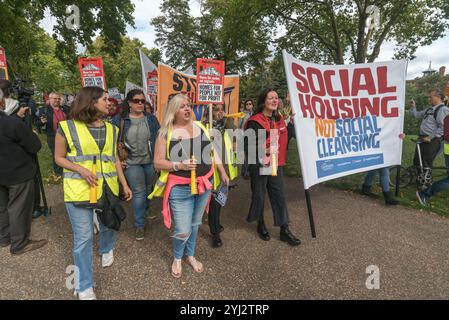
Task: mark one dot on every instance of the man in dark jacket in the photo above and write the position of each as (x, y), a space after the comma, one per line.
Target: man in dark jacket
(49, 117)
(19, 146)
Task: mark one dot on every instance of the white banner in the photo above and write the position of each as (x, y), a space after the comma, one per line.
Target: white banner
(149, 75)
(348, 118)
(131, 86)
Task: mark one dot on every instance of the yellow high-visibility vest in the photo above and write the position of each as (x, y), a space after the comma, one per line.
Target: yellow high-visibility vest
(230, 157)
(83, 149)
(161, 182)
(446, 148)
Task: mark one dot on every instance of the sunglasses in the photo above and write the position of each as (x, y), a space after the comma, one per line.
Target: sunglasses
(138, 101)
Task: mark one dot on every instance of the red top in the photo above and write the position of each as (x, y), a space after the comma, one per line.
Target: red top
(282, 137)
(58, 115)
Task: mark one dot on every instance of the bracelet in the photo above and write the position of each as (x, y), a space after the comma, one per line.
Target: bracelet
(175, 166)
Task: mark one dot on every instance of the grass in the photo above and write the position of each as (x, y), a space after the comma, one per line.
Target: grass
(46, 163)
(407, 197)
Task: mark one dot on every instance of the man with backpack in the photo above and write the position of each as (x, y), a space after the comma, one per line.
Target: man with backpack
(424, 196)
(432, 128)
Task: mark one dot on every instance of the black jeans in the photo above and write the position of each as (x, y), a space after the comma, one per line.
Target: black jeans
(429, 151)
(214, 217)
(275, 188)
(51, 146)
(16, 208)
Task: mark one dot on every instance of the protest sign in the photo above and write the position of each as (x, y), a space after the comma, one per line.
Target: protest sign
(114, 93)
(149, 75)
(348, 118)
(172, 82)
(3, 65)
(92, 73)
(210, 80)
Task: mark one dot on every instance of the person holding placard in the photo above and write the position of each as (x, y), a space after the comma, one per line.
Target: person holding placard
(224, 149)
(180, 141)
(266, 172)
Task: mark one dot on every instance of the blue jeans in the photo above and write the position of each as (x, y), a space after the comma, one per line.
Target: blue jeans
(384, 174)
(82, 227)
(140, 178)
(187, 212)
(441, 184)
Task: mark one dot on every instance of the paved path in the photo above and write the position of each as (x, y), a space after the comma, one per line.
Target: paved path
(411, 249)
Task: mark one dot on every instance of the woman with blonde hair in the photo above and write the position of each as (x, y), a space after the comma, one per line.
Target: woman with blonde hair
(183, 147)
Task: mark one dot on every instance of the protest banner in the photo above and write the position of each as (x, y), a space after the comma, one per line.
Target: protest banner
(348, 118)
(210, 80)
(149, 75)
(3, 65)
(172, 82)
(114, 93)
(92, 72)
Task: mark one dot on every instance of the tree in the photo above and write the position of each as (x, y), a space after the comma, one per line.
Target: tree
(222, 32)
(332, 30)
(19, 25)
(124, 65)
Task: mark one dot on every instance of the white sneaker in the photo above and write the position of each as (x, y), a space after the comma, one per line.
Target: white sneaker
(107, 259)
(87, 294)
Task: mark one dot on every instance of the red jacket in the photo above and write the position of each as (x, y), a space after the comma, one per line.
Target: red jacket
(266, 123)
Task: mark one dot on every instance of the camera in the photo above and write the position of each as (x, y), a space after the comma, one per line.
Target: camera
(23, 94)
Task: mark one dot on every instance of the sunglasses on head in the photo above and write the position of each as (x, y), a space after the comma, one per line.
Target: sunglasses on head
(138, 101)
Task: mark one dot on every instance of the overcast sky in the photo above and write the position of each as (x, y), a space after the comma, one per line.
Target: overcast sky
(145, 10)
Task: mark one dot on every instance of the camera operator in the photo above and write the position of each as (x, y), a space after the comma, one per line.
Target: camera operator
(49, 117)
(17, 172)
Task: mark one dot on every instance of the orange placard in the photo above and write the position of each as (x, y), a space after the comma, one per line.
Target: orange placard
(172, 82)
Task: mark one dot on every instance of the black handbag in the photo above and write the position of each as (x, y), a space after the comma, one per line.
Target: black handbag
(109, 211)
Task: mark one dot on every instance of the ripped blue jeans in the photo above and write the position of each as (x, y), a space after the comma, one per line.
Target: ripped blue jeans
(187, 213)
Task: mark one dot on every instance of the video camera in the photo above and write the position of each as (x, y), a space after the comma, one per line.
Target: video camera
(23, 94)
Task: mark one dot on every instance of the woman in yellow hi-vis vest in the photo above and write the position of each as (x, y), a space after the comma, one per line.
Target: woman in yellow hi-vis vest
(183, 156)
(80, 142)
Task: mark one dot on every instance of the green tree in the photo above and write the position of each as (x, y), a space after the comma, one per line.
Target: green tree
(19, 25)
(222, 32)
(332, 30)
(125, 64)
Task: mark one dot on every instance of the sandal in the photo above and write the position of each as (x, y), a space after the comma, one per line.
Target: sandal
(176, 268)
(196, 265)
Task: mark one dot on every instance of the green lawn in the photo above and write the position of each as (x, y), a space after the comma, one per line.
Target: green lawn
(439, 203)
(45, 162)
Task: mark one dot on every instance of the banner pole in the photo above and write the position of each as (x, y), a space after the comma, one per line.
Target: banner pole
(398, 172)
(309, 209)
